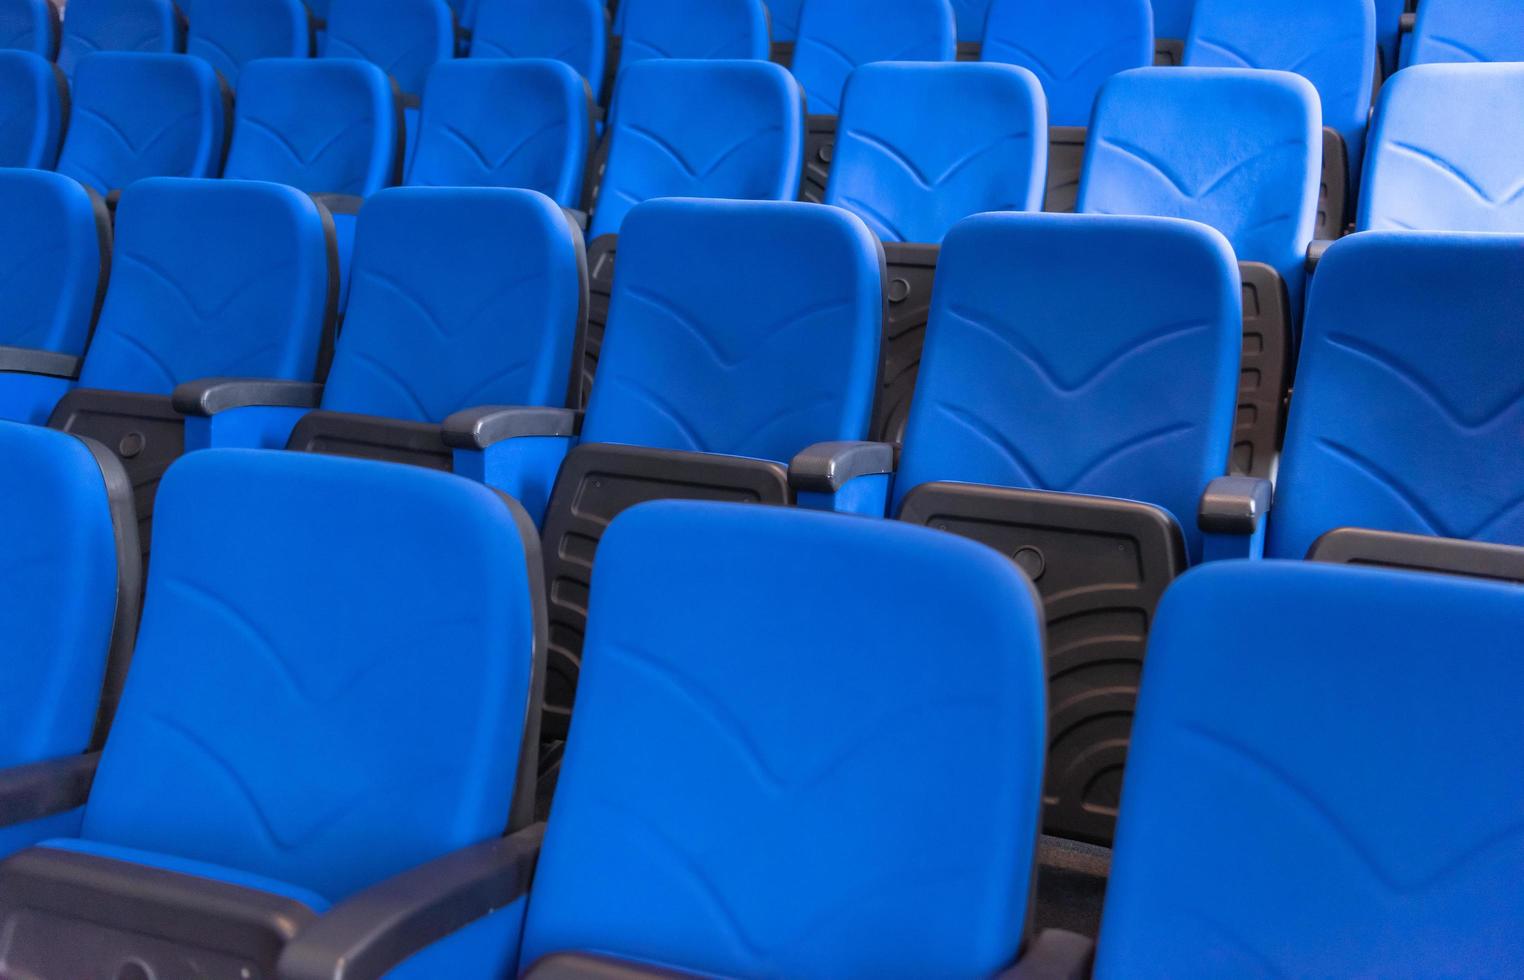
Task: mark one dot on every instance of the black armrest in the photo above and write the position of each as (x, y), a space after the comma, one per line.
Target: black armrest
(340, 203)
(1315, 250)
(1053, 955)
(481, 428)
(380, 927)
(113, 198)
(1420, 553)
(43, 789)
(826, 467)
(210, 396)
(1234, 505)
(1407, 23)
(28, 360)
(576, 217)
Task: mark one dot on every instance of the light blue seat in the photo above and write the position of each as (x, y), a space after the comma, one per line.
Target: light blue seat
(1451, 31)
(971, 16)
(722, 774)
(464, 298)
(54, 255)
(1172, 24)
(144, 115)
(30, 25)
(836, 36)
(1399, 424)
(231, 33)
(504, 123)
(1351, 738)
(737, 133)
(573, 31)
(718, 29)
(70, 606)
(1057, 408)
(783, 17)
(327, 126)
(345, 661)
(1072, 49)
(921, 146)
(742, 335)
(1389, 31)
(405, 43)
(1445, 151)
(36, 98)
(119, 25)
(1331, 43)
(209, 279)
(1237, 149)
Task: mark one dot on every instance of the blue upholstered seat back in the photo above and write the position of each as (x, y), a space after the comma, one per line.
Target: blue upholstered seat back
(836, 36)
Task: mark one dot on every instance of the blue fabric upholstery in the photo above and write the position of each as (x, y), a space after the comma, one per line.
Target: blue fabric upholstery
(461, 297)
(1172, 18)
(59, 565)
(1238, 149)
(971, 16)
(504, 123)
(1466, 30)
(1040, 375)
(321, 126)
(694, 29)
(1447, 151)
(29, 25)
(34, 117)
(1389, 30)
(573, 31)
(1331, 43)
(715, 129)
(143, 115)
(1072, 48)
(1323, 779)
(922, 145)
(405, 43)
(744, 328)
(211, 278)
(783, 18)
(50, 261)
(118, 25)
(231, 33)
(835, 36)
(380, 619)
(705, 821)
(1406, 417)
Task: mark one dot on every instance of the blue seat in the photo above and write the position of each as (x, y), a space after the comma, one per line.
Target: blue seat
(971, 16)
(1041, 425)
(1073, 49)
(30, 25)
(231, 33)
(411, 38)
(327, 126)
(921, 146)
(721, 29)
(36, 97)
(1237, 149)
(1398, 425)
(210, 279)
(345, 661)
(1331, 43)
(144, 115)
(722, 776)
(505, 123)
(741, 335)
(1172, 24)
(737, 133)
(836, 36)
(783, 18)
(1445, 151)
(153, 26)
(437, 327)
(1278, 725)
(1389, 32)
(70, 608)
(1451, 31)
(573, 31)
(55, 251)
